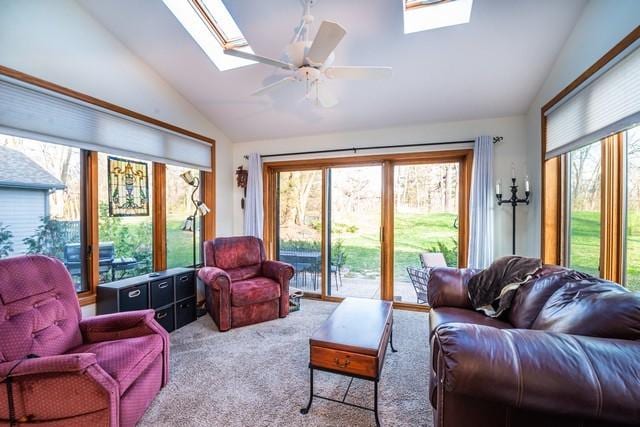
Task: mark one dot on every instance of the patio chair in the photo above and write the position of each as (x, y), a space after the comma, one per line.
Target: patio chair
(420, 276)
(335, 269)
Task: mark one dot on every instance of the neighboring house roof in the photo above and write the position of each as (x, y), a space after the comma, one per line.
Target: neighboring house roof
(19, 171)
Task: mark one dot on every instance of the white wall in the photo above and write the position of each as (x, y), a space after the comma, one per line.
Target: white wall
(511, 149)
(60, 42)
(603, 24)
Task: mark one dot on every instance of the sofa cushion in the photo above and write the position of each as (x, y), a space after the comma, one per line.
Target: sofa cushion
(592, 307)
(245, 273)
(125, 359)
(254, 291)
(531, 296)
(444, 315)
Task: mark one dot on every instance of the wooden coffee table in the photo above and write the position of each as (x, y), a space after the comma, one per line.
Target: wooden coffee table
(352, 342)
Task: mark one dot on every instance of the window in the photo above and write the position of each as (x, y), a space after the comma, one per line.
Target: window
(179, 208)
(584, 209)
(211, 25)
(126, 240)
(632, 214)
(422, 15)
(40, 195)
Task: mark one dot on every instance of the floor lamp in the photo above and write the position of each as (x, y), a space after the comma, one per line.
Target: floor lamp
(200, 209)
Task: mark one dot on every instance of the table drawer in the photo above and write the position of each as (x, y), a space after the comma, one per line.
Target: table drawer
(344, 361)
(185, 285)
(161, 292)
(165, 318)
(134, 298)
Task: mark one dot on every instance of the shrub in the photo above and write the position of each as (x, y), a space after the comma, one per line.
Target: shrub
(48, 239)
(6, 241)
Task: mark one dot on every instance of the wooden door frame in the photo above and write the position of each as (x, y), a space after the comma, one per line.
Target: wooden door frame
(463, 157)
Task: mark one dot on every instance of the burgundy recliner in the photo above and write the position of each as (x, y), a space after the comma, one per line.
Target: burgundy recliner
(69, 371)
(241, 286)
(566, 353)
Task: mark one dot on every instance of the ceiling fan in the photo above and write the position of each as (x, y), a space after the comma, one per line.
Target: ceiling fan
(310, 61)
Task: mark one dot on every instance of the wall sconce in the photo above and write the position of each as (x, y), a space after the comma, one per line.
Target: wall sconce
(242, 176)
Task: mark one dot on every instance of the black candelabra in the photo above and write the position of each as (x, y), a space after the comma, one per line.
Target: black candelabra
(514, 201)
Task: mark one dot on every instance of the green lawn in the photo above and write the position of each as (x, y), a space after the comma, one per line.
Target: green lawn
(414, 233)
(585, 245)
(180, 244)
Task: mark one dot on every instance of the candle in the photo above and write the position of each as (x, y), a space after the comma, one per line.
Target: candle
(498, 190)
(513, 171)
(526, 183)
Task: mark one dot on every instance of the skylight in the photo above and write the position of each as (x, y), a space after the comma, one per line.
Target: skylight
(213, 28)
(422, 15)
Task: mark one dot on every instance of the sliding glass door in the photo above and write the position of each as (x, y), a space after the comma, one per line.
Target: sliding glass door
(354, 212)
(352, 227)
(426, 207)
(299, 206)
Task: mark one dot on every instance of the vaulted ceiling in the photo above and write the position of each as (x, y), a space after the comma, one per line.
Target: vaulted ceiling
(491, 67)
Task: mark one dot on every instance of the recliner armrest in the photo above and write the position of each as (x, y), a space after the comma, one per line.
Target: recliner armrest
(215, 277)
(47, 365)
(562, 374)
(277, 270)
(114, 326)
(448, 287)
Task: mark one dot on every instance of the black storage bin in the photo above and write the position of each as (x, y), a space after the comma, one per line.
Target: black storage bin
(161, 292)
(134, 298)
(185, 285)
(185, 312)
(165, 318)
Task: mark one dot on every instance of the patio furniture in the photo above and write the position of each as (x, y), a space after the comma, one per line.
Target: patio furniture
(303, 262)
(241, 286)
(335, 269)
(73, 260)
(420, 276)
(65, 370)
(122, 265)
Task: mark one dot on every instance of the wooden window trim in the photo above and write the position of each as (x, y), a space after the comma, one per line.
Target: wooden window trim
(551, 233)
(159, 216)
(90, 192)
(611, 214)
(463, 157)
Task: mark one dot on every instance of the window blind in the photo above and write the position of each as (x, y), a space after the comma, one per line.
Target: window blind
(607, 103)
(32, 112)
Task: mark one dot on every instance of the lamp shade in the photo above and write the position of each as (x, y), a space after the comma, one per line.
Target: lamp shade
(203, 209)
(187, 177)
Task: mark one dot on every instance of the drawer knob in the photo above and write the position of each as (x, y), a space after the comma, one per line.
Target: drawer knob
(163, 285)
(134, 293)
(161, 315)
(342, 364)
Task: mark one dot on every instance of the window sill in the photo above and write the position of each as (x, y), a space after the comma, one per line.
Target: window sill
(86, 299)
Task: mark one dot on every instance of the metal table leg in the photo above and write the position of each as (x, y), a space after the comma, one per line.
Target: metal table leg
(391, 341)
(375, 402)
(305, 411)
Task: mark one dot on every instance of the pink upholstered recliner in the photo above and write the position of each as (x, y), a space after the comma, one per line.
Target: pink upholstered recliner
(66, 371)
(241, 286)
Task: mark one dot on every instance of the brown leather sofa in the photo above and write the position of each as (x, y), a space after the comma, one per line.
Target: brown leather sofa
(567, 353)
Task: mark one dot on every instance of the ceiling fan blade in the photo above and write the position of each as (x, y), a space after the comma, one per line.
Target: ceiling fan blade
(258, 58)
(267, 88)
(358, 73)
(327, 38)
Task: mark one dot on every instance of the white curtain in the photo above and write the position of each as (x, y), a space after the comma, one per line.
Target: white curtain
(253, 209)
(481, 205)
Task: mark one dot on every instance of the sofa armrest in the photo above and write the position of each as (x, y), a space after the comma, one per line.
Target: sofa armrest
(562, 374)
(448, 287)
(215, 277)
(114, 326)
(279, 271)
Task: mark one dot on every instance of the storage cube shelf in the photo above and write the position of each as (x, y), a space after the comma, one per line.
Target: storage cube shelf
(172, 294)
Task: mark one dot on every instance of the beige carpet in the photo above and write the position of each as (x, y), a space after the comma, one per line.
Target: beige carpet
(258, 376)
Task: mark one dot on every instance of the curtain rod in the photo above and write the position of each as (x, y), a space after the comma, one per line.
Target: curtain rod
(379, 147)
